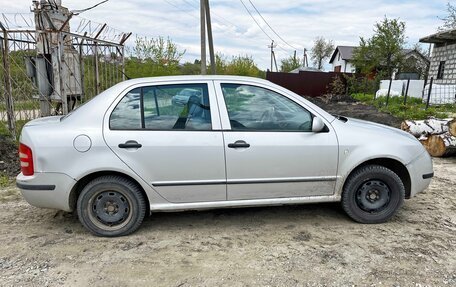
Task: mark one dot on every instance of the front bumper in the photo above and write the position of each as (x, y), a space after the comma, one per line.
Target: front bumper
(421, 172)
(47, 190)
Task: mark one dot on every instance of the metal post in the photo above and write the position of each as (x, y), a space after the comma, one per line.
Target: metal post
(60, 61)
(97, 76)
(209, 36)
(123, 63)
(272, 53)
(389, 91)
(81, 66)
(8, 87)
(203, 36)
(406, 92)
(429, 93)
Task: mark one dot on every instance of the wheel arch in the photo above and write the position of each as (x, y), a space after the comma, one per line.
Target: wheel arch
(81, 183)
(392, 164)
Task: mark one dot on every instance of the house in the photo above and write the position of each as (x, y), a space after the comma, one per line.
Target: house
(415, 64)
(341, 59)
(414, 67)
(443, 58)
(304, 69)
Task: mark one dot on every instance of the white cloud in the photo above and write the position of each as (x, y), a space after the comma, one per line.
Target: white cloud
(298, 22)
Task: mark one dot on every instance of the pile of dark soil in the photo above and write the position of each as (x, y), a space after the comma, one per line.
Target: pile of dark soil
(9, 160)
(348, 107)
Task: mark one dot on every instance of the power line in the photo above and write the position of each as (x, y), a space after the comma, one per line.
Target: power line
(77, 12)
(221, 18)
(258, 24)
(271, 27)
(178, 8)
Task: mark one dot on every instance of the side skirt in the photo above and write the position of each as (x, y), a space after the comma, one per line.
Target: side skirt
(171, 207)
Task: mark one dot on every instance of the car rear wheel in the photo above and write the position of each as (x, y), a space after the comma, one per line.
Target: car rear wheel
(111, 206)
(373, 194)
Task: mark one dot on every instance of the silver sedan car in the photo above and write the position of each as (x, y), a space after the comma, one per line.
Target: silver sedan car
(131, 151)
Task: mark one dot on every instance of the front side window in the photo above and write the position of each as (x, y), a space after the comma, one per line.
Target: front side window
(255, 108)
(166, 107)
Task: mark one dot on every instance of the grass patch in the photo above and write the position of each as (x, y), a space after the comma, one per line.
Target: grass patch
(4, 131)
(4, 180)
(414, 109)
(22, 105)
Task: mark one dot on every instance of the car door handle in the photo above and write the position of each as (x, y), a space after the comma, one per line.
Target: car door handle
(130, 144)
(239, 144)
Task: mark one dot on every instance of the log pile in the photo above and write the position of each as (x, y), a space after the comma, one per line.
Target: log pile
(438, 136)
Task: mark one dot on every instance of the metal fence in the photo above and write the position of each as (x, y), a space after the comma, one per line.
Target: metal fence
(431, 94)
(436, 94)
(74, 67)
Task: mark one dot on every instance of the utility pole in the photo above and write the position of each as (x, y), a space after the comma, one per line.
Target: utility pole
(205, 15)
(305, 62)
(209, 35)
(203, 36)
(272, 46)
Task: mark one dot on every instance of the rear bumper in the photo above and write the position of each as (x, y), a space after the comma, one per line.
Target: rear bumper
(421, 173)
(46, 190)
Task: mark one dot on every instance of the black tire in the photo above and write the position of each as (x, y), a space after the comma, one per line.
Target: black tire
(373, 194)
(111, 206)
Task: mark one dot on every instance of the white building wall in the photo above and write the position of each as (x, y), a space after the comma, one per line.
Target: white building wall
(346, 67)
(349, 68)
(448, 54)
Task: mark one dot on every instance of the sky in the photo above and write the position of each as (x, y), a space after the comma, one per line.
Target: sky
(297, 22)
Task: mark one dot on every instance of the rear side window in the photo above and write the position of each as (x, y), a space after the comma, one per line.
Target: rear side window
(166, 107)
(127, 114)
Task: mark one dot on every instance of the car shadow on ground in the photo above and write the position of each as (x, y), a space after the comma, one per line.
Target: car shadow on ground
(244, 217)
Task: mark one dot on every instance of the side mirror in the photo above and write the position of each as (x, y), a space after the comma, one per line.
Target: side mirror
(317, 125)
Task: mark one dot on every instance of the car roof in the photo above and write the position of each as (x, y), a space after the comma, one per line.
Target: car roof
(192, 78)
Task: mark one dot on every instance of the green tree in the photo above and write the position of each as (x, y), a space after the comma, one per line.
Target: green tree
(449, 21)
(242, 65)
(290, 63)
(321, 50)
(189, 68)
(153, 57)
(221, 63)
(383, 51)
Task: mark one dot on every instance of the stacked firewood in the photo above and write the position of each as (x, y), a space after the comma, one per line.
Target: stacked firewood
(438, 136)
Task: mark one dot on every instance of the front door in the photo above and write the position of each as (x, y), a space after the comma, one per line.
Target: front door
(270, 149)
(166, 134)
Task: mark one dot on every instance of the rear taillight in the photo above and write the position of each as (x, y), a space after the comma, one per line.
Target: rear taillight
(26, 158)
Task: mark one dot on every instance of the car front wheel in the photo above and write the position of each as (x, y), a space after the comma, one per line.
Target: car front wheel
(373, 194)
(111, 206)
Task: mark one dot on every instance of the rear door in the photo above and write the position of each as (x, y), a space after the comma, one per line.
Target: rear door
(270, 149)
(170, 140)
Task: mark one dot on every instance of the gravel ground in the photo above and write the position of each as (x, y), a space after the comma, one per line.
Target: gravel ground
(307, 245)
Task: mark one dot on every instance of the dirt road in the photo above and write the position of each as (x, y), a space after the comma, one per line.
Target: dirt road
(310, 245)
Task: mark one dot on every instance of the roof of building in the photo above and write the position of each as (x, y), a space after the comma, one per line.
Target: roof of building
(440, 37)
(346, 53)
(408, 52)
(305, 69)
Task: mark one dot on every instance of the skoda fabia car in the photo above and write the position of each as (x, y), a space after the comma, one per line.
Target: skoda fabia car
(236, 142)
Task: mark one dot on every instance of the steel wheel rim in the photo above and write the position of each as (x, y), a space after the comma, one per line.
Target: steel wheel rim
(373, 196)
(109, 209)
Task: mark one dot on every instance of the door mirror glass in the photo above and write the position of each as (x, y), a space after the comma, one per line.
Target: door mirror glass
(318, 125)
